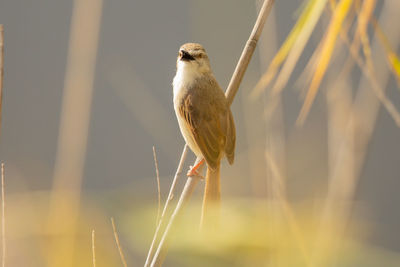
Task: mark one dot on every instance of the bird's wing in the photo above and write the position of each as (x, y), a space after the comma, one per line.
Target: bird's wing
(229, 129)
(203, 120)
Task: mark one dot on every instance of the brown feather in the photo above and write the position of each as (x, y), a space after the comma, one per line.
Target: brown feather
(212, 199)
(230, 139)
(210, 121)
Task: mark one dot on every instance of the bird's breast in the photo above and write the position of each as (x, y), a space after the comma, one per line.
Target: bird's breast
(183, 82)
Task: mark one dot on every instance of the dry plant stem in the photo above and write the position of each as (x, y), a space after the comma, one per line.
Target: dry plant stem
(3, 220)
(230, 95)
(158, 185)
(156, 236)
(121, 254)
(73, 131)
(93, 250)
(161, 252)
(248, 51)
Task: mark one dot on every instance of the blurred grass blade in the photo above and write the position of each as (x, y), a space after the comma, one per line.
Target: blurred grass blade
(307, 74)
(286, 47)
(364, 16)
(394, 60)
(335, 25)
(362, 25)
(367, 68)
(298, 47)
(116, 237)
(391, 56)
(93, 249)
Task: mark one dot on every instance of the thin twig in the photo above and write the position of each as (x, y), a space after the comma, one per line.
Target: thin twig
(121, 254)
(158, 185)
(248, 51)
(3, 219)
(230, 95)
(161, 252)
(93, 250)
(156, 236)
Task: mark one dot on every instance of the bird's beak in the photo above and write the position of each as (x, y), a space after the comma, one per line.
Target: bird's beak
(185, 56)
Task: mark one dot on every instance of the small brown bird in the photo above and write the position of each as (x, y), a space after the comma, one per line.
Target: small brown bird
(204, 118)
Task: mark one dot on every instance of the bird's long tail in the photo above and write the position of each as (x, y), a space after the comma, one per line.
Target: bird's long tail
(212, 198)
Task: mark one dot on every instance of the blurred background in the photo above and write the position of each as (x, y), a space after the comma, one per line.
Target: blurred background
(87, 94)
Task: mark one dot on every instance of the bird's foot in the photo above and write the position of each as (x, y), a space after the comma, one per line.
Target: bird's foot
(193, 170)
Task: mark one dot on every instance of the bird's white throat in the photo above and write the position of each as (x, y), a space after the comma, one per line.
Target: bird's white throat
(186, 74)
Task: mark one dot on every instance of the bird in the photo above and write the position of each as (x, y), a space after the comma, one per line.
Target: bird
(205, 120)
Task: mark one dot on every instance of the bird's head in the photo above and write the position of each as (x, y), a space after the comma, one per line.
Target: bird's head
(193, 57)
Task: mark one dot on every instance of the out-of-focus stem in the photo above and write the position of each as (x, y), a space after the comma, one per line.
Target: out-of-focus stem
(73, 130)
(156, 236)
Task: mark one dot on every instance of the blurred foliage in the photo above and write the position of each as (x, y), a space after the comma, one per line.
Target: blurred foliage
(256, 233)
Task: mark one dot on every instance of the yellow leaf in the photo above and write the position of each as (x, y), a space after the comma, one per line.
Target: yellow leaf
(395, 64)
(335, 24)
(391, 56)
(299, 45)
(286, 47)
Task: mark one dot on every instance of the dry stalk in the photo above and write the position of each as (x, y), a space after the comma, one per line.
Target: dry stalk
(248, 51)
(161, 252)
(73, 129)
(156, 236)
(93, 250)
(158, 185)
(3, 219)
(233, 87)
(121, 254)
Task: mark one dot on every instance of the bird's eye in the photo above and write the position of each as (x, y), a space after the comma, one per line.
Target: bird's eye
(180, 53)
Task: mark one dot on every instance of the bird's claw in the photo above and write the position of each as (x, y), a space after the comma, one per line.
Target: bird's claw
(193, 172)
